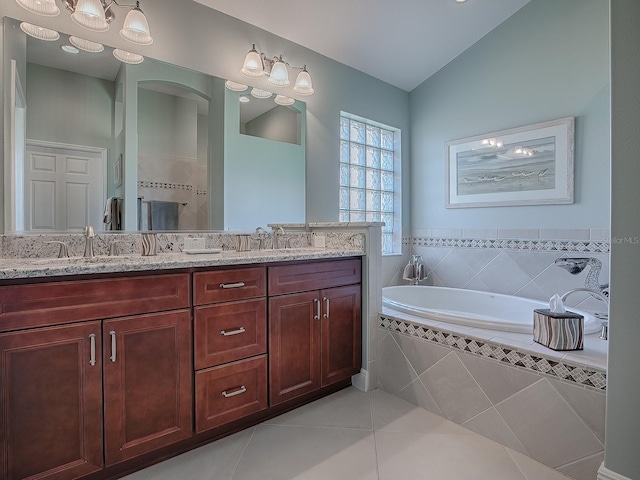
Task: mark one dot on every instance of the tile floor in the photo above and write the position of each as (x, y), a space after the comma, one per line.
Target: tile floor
(353, 435)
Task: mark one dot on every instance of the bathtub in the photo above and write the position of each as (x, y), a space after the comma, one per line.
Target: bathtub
(472, 308)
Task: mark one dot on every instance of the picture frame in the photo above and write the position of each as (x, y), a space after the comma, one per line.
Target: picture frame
(529, 165)
(117, 171)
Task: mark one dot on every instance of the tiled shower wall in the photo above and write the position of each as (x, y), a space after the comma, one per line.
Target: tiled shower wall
(513, 262)
(175, 179)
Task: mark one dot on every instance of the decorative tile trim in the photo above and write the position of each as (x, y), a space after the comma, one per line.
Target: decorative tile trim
(201, 191)
(513, 244)
(580, 374)
(170, 186)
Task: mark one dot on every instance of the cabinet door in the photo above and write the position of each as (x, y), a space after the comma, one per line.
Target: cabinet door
(341, 333)
(294, 345)
(51, 402)
(147, 383)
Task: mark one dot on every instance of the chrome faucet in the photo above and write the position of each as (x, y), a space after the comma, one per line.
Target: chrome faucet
(64, 251)
(603, 317)
(89, 235)
(576, 265)
(274, 236)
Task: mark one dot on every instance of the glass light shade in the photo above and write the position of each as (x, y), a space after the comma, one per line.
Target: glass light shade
(86, 45)
(282, 100)
(47, 8)
(303, 85)
(90, 14)
(256, 92)
(244, 99)
(279, 74)
(128, 57)
(235, 86)
(136, 28)
(40, 33)
(252, 66)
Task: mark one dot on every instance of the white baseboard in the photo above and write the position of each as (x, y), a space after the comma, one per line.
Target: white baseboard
(361, 380)
(606, 474)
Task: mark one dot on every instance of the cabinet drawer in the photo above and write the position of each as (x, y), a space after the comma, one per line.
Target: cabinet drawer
(228, 285)
(313, 276)
(230, 392)
(230, 331)
(25, 306)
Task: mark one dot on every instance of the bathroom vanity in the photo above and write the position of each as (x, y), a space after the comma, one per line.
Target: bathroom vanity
(104, 374)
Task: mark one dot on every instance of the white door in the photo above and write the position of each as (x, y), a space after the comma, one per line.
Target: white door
(64, 188)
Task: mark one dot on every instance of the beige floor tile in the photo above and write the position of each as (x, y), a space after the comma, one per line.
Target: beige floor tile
(533, 470)
(308, 453)
(216, 461)
(391, 413)
(443, 457)
(348, 408)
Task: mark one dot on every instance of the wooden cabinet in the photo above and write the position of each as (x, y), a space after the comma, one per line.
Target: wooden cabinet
(147, 383)
(51, 402)
(57, 379)
(230, 331)
(314, 336)
(102, 376)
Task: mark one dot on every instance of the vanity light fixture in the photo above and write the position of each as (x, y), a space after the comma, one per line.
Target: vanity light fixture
(244, 99)
(256, 64)
(47, 8)
(96, 15)
(38, 32)
(235, 86)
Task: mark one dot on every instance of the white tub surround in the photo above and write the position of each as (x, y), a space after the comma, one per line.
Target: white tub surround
(549, 408)
(472, 308)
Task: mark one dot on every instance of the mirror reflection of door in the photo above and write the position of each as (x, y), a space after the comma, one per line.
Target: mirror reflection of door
(64, 187)
(173, 150)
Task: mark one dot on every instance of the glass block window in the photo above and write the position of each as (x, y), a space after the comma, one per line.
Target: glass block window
(369, 154)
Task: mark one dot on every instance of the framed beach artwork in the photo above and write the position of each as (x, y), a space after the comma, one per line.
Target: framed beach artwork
(531, 165)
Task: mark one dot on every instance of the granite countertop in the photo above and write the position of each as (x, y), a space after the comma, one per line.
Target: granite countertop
(21, 268)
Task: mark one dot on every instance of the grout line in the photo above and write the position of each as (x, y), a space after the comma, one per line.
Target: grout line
(243, 453)
(375, 440)
(570, 464)
(508, 450)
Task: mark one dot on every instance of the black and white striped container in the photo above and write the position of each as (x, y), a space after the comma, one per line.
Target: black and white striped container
(558, 331)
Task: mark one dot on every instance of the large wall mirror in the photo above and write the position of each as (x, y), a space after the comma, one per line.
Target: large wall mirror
(167, 147)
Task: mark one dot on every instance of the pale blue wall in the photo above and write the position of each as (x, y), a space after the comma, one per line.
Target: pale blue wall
(549, 60)
(67, 107)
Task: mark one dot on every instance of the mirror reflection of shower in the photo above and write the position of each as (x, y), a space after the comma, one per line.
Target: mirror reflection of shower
(173, 146)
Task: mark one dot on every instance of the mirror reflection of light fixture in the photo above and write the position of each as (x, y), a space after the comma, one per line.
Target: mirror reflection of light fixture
(70, 49)
(86, 45)
(258, 93)
(244, 99)
(38, 32)
(235, 86)
(96, 15)
(127, 57)
(282, 100)
(257, 64)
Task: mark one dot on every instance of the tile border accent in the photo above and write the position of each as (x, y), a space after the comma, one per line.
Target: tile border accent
(512, 244)
(167, 185)
(582, 375)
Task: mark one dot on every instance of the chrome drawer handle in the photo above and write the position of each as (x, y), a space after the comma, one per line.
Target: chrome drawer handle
(317, 315)
(232, 285)
(232, 332)
(242, 389)
(326, 315)
(113, 345)
(92, 360)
